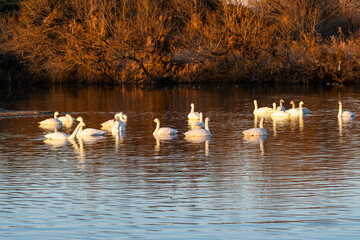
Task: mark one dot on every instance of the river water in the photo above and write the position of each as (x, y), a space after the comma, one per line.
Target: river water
(300, 182)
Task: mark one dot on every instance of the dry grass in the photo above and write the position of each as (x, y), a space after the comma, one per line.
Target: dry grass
(162, 41)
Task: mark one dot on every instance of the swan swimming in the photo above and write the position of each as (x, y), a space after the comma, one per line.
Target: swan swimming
(260, 131)
(281, 107)
(52, 121)
(118, 127)
(345, 114)
(296, 111)
(198, 124)
(200, 131)
(89, 132)
(262, 110)
(110, 123)
(193, 115)
(64, 136)
(278, 114)
(67, 119)
(164, 131)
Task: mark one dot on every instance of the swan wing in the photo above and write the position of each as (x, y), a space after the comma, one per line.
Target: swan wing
(194, 116)
(263, 111)
(92, 132)
(347, 114)
(293, 112)
(197, 132)
(56, 135)
(50, 121)
(255, 132)
(108, 124)
(166, 131)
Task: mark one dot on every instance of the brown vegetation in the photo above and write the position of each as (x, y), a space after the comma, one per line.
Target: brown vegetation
(163, 41)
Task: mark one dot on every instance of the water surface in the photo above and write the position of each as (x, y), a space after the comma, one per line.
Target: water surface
(301, 182)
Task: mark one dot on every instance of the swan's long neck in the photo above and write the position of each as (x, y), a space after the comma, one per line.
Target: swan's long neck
(117, 125)
(80, 131)
(55, 115)
(274, 107)
(192, 108)
(300, 108)
(256, 105)
(157, 127)
(207, 124)
(281, 104)
(123, 119)
(261, 125)
(72, 136)
(292, 104)
(201, 117)
(340, 110)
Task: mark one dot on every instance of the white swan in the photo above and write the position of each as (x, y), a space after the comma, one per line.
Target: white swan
(51, 121)
(64, 136)
(199, 132)
(296, 111)
(110, 123)
(199, 124)
(260, 131)
(281, 107)
(293, 111)
(278, 114)
(345, 114)
(193, 115)
(89, 132)
(118, 127)
(67, 119)
(262, 111)
(164, 131)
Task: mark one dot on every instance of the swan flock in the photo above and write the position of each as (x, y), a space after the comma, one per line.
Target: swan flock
(198, 127)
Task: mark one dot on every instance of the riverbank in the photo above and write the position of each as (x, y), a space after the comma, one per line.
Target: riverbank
(140, 42)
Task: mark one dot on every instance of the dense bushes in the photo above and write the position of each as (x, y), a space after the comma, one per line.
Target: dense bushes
(159, 41)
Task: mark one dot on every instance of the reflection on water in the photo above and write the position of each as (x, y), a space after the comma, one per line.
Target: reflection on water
(301, 180)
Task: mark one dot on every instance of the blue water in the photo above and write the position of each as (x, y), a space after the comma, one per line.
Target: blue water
(301, 182)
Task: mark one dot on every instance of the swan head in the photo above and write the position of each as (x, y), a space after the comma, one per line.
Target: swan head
(56, 113)
(123, 117)
(282, 101)
(80, 119)
(156, 120)
(117, 115)
(301, 103)
(340, 103)
(292, 102)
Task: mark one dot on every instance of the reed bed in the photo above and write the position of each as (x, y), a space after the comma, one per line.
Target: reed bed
(187, 41)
